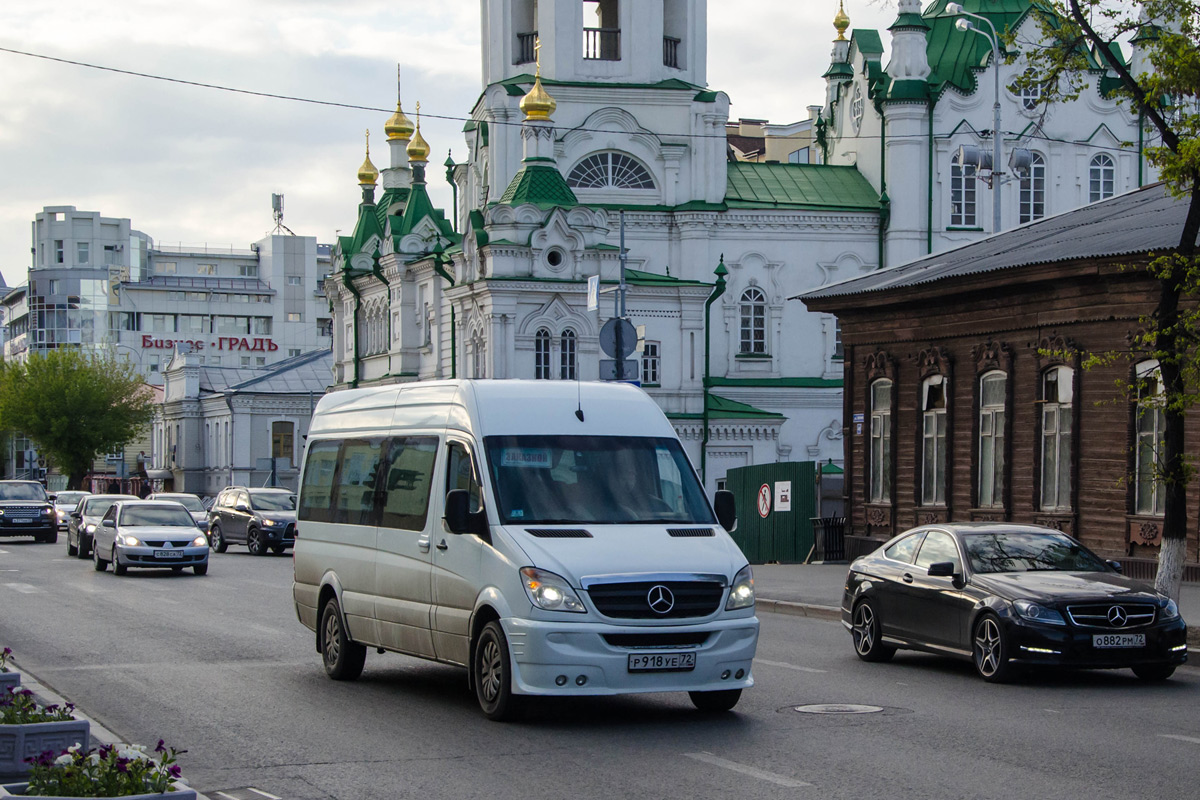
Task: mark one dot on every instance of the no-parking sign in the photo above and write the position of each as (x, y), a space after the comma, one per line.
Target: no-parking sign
(764, 500)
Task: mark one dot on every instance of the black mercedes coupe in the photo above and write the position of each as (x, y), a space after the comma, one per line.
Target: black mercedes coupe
(1008, 596)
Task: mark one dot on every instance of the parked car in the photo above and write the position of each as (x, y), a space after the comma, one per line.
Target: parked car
(551, 539)
(64, 504)
(189, 501)
(1009, 596)
(85, 519)
(259, 518)
(26, 510)
(146, 533)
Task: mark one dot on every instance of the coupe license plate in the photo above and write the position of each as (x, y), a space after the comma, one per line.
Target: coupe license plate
(662, 662)
(168, 554)
(1111, 640)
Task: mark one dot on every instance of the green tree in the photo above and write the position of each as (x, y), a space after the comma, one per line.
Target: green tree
(1161, 85)
(74, 405)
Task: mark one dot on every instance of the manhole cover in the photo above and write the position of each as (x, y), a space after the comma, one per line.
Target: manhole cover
(837, 708)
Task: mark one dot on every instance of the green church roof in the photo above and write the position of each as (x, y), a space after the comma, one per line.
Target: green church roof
(723, 408)
(954, 55)
(540, 184)
(368, 226)
(816, 186)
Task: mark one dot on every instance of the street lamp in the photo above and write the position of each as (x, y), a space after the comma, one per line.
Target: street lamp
(964, 25)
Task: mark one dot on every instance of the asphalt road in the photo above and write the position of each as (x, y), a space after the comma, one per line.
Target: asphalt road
(220, 666)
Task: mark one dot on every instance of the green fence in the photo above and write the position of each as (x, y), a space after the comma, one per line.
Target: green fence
(775, 507)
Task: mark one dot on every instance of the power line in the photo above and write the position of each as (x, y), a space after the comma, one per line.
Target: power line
(452, 118)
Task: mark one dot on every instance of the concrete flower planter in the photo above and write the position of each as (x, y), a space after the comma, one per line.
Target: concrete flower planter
(181, 792)
(9, 680)
(19, 742)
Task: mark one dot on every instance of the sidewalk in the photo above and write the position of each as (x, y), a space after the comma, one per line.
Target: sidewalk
(815, 590)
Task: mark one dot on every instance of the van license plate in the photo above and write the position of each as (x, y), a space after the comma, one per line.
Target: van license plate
(1107, 640)
(168, 554)
(662, 662)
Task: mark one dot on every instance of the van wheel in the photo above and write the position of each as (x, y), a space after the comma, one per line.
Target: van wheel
(216, 541)
(491, 673)
(255, 543)
(721, 700)
(344, 659)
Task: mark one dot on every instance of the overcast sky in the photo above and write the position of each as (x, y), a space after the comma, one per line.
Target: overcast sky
(196, 165)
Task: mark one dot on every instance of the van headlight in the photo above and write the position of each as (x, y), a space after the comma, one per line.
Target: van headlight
(550, 592)
(741, 592)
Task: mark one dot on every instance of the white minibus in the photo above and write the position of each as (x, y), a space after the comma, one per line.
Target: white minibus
(550, 536)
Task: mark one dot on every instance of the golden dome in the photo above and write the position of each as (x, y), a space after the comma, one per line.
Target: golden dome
(418, 148)
(398, 125)
(538, 104)
(841, 22)
(367, 174)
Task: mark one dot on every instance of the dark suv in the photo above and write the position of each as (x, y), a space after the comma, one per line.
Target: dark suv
(26, 510)
(261, 518)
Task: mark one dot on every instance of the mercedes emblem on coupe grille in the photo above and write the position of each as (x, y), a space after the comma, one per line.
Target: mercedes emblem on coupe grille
(1117, 617)
(660, 599)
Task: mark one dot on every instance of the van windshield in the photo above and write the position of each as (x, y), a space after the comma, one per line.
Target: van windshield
(564, 480)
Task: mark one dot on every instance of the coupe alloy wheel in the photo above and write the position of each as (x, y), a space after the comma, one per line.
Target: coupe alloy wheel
(868, 640)
(990, 650)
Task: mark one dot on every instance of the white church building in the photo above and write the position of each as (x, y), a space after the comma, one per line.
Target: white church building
(594, 110)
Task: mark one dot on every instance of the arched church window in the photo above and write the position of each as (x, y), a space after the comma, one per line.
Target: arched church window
(962, 196)
(569, 367)
(541, 355)
(1102, 177)
(754, 322)
(610, 171)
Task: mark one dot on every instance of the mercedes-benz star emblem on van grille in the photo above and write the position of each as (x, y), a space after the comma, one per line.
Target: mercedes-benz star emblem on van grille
(660, 599)
(1117, 616)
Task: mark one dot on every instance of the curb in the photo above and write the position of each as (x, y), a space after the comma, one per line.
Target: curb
(99, 733)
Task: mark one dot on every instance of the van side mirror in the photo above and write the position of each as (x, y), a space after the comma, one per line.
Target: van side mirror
(460, 519)
(725, 504)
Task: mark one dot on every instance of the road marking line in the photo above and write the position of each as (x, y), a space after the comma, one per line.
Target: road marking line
(787, 666)
(264, 794)
(3, 552)
(24, 588)
(762, 775)
(1189, 739)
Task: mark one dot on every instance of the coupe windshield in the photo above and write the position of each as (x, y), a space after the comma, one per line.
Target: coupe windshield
(22, 491)
(557, 480)
(154, 516)
(272, 501)
(1026, 552)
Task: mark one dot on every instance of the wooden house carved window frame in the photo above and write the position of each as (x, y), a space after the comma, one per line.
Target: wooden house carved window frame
(879, 513)
(1053, 352)
(932, 363)
(992, 357)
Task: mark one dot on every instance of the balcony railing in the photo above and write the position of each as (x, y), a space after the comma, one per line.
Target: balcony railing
(525, 52)
(671, 52)
(602, 44)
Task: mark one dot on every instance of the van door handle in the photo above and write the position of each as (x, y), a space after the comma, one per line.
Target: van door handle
(908, 578)
(423, 544)
(442, 545)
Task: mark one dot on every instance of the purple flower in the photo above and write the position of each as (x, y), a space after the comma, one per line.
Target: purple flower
(161, 748)
(174, 771)
(7, 652)
(122, 765)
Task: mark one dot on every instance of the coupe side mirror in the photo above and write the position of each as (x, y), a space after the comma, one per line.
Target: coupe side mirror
(942, 569)
(108, 523)
(725, 504)
(1116, 565)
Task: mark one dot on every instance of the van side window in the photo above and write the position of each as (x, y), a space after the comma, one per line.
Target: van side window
(354, 500)
(316, 495)
(408, 477)
(461, 474)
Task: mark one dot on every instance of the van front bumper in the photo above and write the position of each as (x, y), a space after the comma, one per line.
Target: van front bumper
(544, 653)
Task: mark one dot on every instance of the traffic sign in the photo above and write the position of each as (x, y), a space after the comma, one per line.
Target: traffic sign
(608, 370)
(764, 500)
(608, 337)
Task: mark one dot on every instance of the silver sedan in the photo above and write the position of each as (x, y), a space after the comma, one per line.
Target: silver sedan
(147, 533)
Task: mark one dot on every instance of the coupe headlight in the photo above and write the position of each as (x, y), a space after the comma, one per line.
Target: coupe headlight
(1170, 610)
(549, 591)
(90, 528)
(741, 593)
(1032, 611)
(200, 541)
(128, 541)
